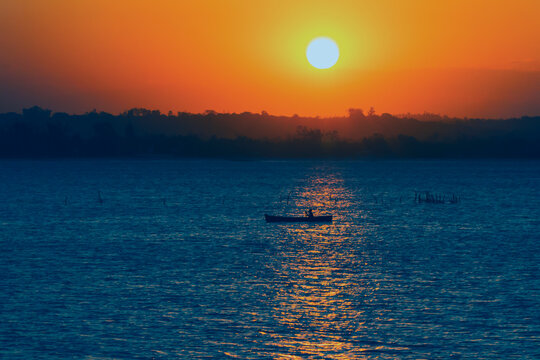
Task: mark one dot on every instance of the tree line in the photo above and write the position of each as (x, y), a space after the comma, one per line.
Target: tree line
(38, 132)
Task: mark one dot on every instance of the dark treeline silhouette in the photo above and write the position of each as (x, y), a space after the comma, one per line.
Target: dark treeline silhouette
(38, 132)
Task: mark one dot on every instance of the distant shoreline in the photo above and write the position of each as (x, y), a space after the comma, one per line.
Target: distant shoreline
(144, 134)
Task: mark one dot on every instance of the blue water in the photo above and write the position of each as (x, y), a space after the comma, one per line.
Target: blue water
(177, 261)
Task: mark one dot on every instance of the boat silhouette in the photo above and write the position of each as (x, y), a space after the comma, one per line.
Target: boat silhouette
(272, 218)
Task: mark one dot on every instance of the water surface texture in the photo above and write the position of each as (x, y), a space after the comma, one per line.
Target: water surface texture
(176, 261)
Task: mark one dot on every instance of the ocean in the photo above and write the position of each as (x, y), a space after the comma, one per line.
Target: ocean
(172, 259)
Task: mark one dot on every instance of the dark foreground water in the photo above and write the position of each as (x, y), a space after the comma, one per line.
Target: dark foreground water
(177, 262)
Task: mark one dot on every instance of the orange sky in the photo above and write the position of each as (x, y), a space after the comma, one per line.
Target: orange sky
(461, 58)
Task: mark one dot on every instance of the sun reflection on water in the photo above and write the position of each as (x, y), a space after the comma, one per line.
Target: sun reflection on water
(318, 304)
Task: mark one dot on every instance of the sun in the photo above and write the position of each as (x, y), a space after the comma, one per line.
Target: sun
(322, 53)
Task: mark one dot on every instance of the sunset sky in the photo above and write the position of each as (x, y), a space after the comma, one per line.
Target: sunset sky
(460, 58)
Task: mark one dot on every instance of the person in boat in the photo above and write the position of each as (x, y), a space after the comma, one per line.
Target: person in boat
(309, 213)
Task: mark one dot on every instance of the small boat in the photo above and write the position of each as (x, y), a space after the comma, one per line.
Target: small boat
(301, 219)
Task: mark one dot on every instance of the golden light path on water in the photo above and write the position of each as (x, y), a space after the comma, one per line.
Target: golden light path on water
(320, 305)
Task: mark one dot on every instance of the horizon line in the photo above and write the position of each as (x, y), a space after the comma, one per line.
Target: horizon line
(266, 113)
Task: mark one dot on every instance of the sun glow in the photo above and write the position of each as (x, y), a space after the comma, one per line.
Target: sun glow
(242, 55)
